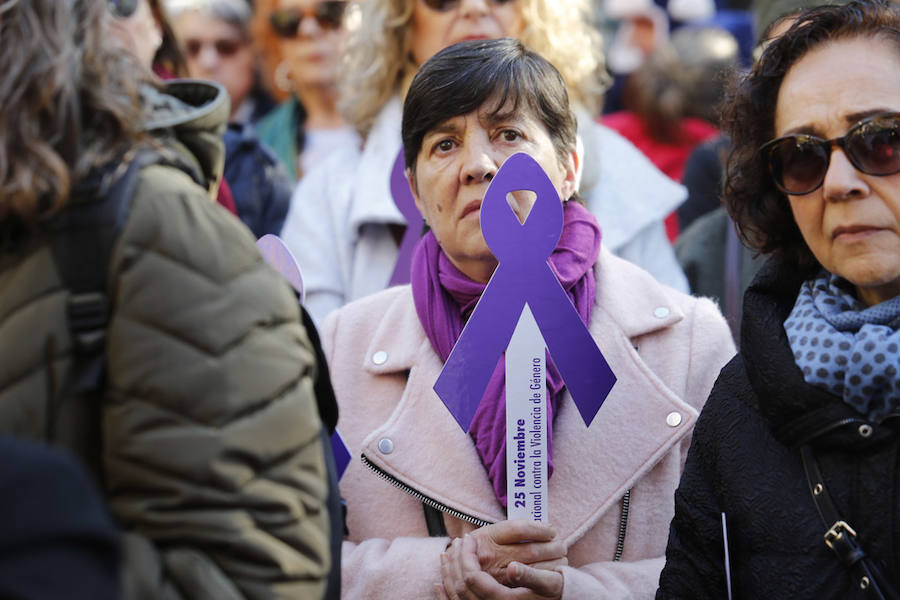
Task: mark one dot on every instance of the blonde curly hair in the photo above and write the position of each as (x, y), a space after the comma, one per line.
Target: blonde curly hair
(378, 64)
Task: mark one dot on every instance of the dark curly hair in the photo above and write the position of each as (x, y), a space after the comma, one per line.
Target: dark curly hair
(70, 102)
(761, 212)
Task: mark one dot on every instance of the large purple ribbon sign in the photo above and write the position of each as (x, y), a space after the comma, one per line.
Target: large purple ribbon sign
(523, 276)
(406, 204)
(278, 255)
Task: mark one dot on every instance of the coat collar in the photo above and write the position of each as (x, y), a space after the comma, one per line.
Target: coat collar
(372, 201)
(594, 466)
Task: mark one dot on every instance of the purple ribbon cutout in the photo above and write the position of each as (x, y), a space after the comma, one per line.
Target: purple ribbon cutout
(278, 255)
(523, 275)
(406, 204)
(341, 453)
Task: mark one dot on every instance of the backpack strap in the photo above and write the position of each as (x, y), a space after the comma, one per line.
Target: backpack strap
(82, 238)
(841, 538)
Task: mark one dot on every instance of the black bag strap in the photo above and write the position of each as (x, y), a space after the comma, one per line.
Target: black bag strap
(841, 538)
(82, 238)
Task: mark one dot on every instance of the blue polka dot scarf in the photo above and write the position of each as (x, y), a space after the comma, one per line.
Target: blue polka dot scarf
(845, 347)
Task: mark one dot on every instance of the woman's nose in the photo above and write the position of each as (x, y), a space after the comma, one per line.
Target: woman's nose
(842, 179)
(473, 8)
(309, 26)
(208, 57)
(478, 165)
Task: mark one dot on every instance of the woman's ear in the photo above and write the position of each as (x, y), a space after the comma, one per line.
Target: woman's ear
(573, 174)
(411, 179)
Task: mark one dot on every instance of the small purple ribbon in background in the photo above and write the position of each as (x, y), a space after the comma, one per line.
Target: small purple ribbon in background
(341, 453)
(278, 255)
(406, 204)
(523, 275)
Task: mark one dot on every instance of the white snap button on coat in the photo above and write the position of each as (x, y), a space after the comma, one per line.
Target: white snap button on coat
(380, 357)
(661, 312)
(673, 419)
(386, 445)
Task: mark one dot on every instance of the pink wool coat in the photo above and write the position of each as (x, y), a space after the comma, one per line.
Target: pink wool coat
(666, 350)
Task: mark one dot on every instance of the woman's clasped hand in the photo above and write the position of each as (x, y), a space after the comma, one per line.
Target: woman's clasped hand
(510, 559)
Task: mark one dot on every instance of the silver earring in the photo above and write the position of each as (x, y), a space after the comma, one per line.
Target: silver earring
(282, 76)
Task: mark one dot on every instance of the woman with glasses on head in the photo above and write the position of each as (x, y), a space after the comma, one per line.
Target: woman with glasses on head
(799, 444)
(302, 41)
(215, 36)
(344, 226)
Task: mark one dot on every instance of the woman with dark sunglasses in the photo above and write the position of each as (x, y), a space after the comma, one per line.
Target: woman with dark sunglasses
(344, 226)
(302, 42)
(790, 489)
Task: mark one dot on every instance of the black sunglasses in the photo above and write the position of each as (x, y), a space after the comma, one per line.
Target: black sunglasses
(224, 47)
(798, 163)
(447, 5)
(122, 9)
(286, 22)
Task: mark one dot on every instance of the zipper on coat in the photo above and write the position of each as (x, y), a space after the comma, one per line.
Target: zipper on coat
(623, 526)
(422, 497)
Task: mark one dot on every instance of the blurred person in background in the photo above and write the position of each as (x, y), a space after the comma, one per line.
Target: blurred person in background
(143, 28)
(304, 40)
(215, 36)
(709, 250)
(343, 224)
(671, 99)
(142, 329)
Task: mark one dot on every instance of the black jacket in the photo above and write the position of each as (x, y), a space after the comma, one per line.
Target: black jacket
(57, 540)
(744, 461)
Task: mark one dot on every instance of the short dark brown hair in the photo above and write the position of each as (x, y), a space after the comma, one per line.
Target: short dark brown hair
(461, 78)
(761, 212)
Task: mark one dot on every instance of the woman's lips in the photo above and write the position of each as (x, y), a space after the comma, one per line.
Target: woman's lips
(851, 233)
(472, 207)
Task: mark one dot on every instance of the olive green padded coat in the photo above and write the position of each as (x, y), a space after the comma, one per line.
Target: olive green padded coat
(209, 456)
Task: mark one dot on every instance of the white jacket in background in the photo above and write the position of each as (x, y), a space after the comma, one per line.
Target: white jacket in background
(338, 225)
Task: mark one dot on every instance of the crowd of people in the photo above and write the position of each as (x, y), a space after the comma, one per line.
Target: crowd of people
(177, 421)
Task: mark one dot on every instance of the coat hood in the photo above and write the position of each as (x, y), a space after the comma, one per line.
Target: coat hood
(188, 117)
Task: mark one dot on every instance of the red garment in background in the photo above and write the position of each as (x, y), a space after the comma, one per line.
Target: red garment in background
(670, 158)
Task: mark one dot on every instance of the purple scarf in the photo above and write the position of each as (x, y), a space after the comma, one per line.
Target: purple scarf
(445, 297)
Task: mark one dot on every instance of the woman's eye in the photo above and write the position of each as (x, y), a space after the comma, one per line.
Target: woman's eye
(444, 146)
(510, 135)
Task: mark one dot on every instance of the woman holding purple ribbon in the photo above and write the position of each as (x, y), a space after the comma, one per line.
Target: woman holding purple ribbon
(790, 489)
(347, 228)
(426, 500)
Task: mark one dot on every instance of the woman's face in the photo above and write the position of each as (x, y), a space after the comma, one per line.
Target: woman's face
(434, 29)
(852, 222)
(457, 161)
(138, 33)
(313, 54)
(216, 50)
